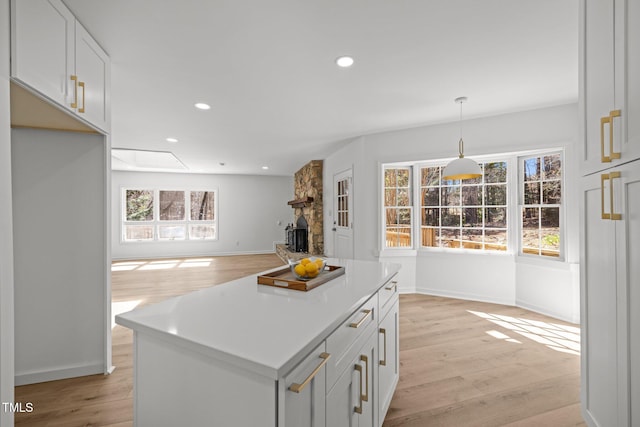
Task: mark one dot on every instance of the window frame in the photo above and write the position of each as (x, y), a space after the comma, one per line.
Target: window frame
(157, 223)
(521, 157)
(411, 193)
(513, 199)
(499, 158)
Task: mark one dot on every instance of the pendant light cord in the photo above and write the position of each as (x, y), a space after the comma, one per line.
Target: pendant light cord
(461, 143)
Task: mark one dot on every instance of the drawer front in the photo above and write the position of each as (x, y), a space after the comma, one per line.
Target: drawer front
(386, 296)
(347, 339)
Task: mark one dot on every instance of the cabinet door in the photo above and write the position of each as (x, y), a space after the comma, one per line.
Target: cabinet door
(597, 95)
(304, 393)
(627, 202)
(598, 307)
(42, 47)
(388, 359)
(627, 79)
(351, 401)
(93, 71)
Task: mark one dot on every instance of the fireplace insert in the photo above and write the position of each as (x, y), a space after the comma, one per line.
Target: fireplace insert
(297, 236)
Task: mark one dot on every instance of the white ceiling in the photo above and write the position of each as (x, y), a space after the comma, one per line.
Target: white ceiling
(267, 69)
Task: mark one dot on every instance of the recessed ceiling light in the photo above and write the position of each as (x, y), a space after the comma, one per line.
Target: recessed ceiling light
(344, 61)
(203, 106)
(172, 140)
(265, 167)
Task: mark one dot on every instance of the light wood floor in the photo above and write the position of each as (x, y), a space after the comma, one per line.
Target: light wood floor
(462, 363)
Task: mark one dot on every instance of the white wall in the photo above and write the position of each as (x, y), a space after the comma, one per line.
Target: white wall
(6, 227)
(249, 209)
(59, 218)
(476, 276)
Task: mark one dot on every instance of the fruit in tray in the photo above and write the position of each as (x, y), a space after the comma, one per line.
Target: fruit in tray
(307, 268)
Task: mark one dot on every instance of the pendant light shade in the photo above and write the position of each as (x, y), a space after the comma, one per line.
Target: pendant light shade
(461, 168)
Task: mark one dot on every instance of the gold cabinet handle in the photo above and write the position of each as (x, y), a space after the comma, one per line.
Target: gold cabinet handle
(383, 362)
(613, 154)
(603, 121)
(74, 79)
(604, 177)
(359, 323)
(82, 85)
(611, 214)
(614, 216)
(365, 359)
(394, 285)
(358, 409)
(297, 388)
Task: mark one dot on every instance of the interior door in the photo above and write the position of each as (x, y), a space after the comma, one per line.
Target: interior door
(343, 214)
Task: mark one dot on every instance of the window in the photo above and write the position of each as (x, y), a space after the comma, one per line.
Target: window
(138, 224)
(201, 219)
(150, 215)
(172, 216)
(541, 201)
(343, 203)
(398, 208)
(468, 214)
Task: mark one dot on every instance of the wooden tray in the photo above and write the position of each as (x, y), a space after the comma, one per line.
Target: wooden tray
(285, 278)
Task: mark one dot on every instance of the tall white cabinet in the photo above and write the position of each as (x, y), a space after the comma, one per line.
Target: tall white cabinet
(610, 218)
(60, 195)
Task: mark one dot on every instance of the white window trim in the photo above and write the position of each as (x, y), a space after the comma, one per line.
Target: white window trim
(156, 222)
(480, 159)
(514, 217)
(521, 256)
(388, 251)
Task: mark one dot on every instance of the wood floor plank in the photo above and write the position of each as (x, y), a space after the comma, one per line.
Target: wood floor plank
(463, 363)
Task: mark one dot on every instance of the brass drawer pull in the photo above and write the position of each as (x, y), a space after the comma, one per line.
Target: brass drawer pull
(358, 409)
(356, 325)
(383, 362)
(611, 214)
(297, 388)
(604, 177)
(603, 121)
(614, 216)
(82, 85)
(393, 287)
(74, 79)
(365, 396)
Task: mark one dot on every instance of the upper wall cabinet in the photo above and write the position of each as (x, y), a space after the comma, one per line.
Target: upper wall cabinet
(52, 53)
(610, 83)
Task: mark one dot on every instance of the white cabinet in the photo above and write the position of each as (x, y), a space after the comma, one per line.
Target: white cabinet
(610, 223)
(610, 293)
(55, 56)
(351, 401)
(93, 77)
(388, 358)
(42, 39)
(304, 391)
(610, 83)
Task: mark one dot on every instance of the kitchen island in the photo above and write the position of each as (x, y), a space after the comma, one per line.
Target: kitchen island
(243, 354)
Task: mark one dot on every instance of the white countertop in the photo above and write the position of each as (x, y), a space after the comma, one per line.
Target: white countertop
(265, 329)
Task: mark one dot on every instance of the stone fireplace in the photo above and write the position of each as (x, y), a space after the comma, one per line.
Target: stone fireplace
(307, 191)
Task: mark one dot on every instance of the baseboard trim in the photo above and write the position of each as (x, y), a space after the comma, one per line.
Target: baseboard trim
(550, 313)
(481, 298)
(58, 374)
(463, 295)
(211, 254)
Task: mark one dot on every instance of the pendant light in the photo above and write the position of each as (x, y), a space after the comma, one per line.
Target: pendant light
(461, 168)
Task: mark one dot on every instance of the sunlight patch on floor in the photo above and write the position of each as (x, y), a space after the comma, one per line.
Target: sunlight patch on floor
(164, 264)
(126, 265)
(561, 338)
